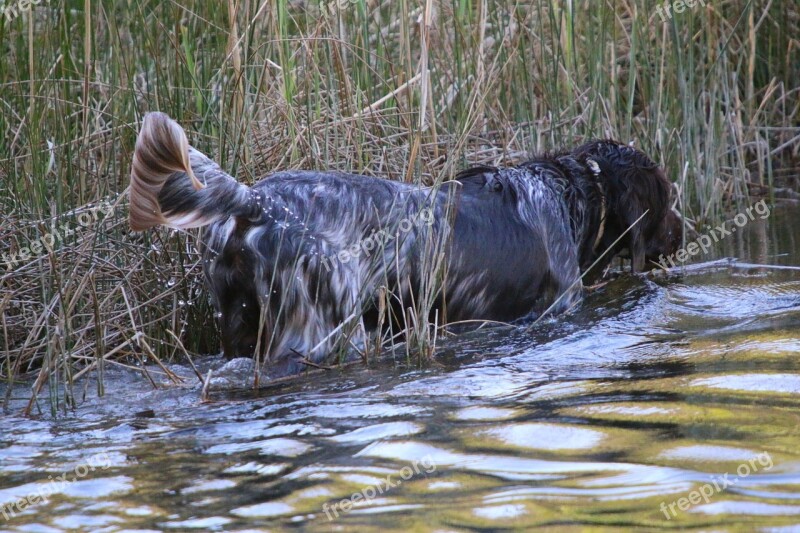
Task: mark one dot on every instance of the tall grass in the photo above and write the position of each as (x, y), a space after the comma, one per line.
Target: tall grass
(409, 90)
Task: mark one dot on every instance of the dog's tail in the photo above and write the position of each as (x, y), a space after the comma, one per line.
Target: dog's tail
(174, 185)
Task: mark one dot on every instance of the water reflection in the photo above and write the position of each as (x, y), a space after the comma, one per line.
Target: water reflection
(651, 389)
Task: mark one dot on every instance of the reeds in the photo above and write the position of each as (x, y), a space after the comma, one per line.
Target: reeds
(408, 89)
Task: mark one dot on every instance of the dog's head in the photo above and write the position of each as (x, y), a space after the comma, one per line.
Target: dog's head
(639, 204)
(642, 206)
(667, 238)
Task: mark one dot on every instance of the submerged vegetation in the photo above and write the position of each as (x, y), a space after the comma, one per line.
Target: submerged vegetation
(399, 89)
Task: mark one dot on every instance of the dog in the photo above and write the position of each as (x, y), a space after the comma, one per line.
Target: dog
(300, 256)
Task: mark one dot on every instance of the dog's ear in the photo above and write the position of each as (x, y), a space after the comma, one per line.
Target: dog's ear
(639, 197)
(638, 248)
(634, 215)
(649, 198)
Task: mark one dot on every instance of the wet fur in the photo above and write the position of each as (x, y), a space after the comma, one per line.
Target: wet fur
(515, 241)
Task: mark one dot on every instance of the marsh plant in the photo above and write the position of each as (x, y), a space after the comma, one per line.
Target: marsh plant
(405, 90)
(704, 243)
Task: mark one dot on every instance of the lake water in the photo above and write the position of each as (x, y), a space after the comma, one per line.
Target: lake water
(660, 403)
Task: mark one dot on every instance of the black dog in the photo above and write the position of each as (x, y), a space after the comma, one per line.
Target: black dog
(301, 256)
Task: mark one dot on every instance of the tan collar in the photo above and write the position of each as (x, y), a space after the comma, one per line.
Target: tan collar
(602, 218)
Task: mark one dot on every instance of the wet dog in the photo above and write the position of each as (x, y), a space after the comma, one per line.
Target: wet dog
(302, 256)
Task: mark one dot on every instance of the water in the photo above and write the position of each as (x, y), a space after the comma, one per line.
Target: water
(627, 413)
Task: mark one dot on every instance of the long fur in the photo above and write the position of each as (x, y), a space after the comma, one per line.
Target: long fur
(300, 255)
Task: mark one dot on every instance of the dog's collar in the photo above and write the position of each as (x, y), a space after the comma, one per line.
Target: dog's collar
(596, 170)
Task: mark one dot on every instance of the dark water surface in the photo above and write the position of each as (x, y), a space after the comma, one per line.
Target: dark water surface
(627, 413)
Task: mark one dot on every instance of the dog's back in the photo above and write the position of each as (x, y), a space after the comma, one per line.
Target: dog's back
(296, 263)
